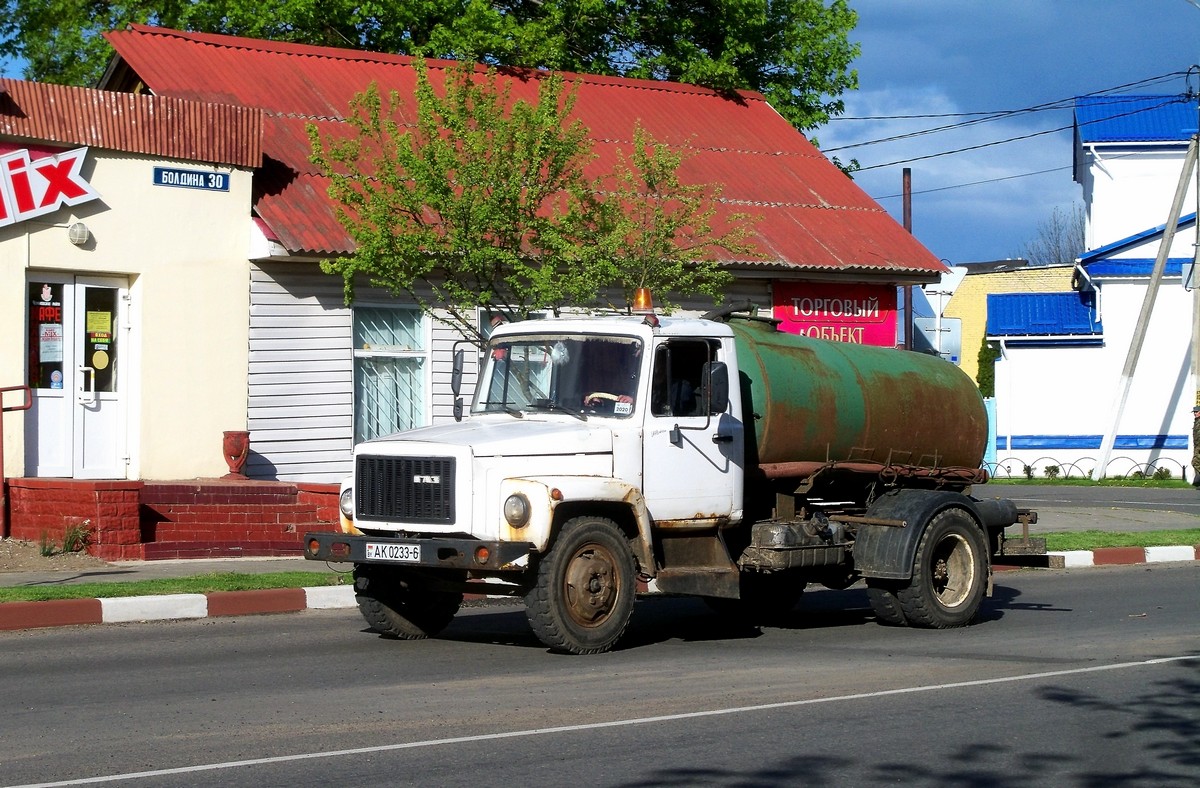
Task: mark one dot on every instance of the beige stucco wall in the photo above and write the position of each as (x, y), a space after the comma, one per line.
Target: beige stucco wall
(184, 255)
(969, 302)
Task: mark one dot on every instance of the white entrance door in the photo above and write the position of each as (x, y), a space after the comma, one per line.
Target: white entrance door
(77, 373)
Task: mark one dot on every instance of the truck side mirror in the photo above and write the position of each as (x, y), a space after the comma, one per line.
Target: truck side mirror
(716, 386)
(456, 374)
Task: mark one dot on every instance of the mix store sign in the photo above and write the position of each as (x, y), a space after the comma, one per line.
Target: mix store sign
(34, 187)
(861, 314)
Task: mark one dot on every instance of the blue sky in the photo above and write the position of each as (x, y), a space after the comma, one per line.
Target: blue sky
(965, 56)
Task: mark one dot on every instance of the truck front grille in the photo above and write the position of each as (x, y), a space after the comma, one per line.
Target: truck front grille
(405, 489)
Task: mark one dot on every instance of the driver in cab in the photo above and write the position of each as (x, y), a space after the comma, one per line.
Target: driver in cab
(614, 381)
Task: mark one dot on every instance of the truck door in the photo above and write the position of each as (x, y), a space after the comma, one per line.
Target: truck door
(692, 458)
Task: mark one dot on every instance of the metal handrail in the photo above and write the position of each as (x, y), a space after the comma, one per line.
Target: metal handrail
(26, 405)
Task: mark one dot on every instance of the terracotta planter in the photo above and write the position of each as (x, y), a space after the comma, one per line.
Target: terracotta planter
(236, 447)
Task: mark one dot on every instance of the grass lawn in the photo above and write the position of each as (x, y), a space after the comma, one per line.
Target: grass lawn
(199, 584)
(1090, 540)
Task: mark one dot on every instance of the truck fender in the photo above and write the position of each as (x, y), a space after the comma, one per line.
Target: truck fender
(547, 493)
(888, 551)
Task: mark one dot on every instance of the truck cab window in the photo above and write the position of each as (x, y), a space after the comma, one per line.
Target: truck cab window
(679, 378)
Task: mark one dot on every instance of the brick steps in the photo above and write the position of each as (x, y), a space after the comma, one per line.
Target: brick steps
(232, 518)
(197, 518)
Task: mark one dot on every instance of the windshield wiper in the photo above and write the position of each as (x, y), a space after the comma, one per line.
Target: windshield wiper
(549, 404)
(506, 407)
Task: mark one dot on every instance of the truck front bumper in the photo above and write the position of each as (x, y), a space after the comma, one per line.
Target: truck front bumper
(427, 553)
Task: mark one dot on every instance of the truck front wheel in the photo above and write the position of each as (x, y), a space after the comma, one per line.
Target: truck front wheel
(583, 597)
(396, 605)
(949, 573)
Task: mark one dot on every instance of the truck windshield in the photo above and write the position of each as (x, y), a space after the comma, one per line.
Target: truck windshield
(581, 375)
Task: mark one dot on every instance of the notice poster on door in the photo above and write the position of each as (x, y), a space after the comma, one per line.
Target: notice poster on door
(45, 335)
(857, 313)
(50, 340)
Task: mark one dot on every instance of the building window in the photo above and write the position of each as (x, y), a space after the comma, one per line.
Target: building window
(390, 359)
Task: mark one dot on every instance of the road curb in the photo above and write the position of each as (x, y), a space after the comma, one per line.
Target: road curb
(170, 607)
(1113, 556)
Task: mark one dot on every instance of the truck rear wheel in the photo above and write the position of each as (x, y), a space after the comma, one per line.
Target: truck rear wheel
(396, 605)
(584, 593)
(949, 573)
(882, 595)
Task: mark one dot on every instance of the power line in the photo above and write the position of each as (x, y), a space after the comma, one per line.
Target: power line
(998, 114)
(1018, 138)
(974, 183)
(993, 180)
(1005, 114)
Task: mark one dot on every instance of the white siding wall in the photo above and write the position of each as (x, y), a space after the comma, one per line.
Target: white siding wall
(300, 403)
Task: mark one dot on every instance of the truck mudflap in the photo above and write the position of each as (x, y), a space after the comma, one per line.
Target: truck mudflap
(887, 551)
(428, 553)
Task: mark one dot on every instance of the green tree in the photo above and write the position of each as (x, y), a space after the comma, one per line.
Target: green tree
(985, 378)
(796, 52)
(483, 202)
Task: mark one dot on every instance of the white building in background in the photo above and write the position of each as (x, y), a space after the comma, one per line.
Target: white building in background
(1063, 353)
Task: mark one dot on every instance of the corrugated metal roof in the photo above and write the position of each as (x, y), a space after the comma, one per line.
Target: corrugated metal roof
(1112, 119)
(1130, 267)
(153, 125)
(1042, 315)
(811, 215)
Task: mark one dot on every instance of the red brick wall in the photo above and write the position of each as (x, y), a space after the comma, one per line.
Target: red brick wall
(43, 509)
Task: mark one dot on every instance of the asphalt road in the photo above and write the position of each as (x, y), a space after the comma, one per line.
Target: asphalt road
(1071, 678)
(1184, 500)
(1070, 508)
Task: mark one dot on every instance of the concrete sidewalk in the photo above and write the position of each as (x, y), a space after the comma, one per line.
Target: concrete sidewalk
(26, 615)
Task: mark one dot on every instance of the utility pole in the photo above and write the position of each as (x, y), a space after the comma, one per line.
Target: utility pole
(1195, 285)
(908, 291)
(1143, 323)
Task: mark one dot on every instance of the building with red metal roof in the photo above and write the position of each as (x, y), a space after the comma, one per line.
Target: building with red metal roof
(814, 220)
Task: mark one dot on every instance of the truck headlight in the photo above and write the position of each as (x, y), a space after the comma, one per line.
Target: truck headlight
(346, 503)
(516, 510)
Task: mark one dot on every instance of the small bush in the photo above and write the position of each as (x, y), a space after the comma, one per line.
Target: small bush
(1051, 471)
(1028, 471)
(1161, 474)
(75, 539)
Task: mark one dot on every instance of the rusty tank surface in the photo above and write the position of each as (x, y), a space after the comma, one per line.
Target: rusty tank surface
(814, 402)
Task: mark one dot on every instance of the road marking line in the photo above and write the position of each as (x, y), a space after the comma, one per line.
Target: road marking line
(598, 725)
